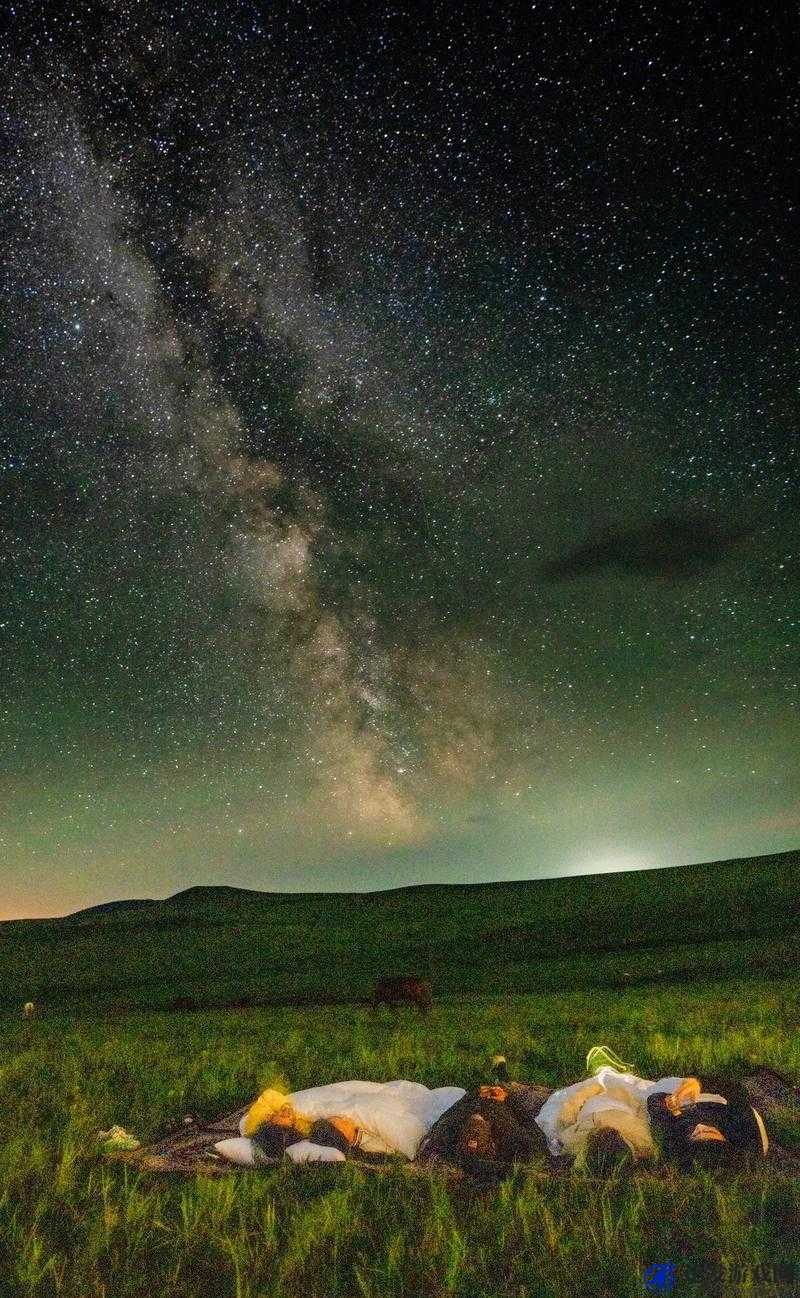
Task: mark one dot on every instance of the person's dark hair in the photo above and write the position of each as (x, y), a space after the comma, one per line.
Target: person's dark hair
(273, 1139)
(605, 1151)
(709, 1154)
(325, 1133)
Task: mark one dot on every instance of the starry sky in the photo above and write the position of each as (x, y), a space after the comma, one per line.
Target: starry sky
(399, 457)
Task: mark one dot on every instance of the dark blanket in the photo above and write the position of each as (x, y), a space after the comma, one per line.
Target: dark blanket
(190, 1150)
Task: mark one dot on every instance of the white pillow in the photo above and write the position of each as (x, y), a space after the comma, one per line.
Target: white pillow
(239, 1149)
(305, 1151)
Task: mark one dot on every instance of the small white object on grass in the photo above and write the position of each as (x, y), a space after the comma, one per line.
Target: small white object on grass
(239, 1149)
(305, 1151)
(28, 1009)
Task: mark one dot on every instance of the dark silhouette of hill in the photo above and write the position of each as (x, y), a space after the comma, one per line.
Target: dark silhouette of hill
(719, 879)
(221, 944)
(198, 895)
(109, 908)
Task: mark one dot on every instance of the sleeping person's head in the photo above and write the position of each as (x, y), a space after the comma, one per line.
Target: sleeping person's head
(275, 1108)
(716, 1128)
(605, 1151)
(274, 1138)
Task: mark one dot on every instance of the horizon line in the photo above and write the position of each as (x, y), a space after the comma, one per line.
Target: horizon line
(405, 887)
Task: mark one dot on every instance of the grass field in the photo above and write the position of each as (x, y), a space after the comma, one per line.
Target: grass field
(76, 1226)
(723, 919)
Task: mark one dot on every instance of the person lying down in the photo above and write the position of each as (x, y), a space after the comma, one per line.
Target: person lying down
(611, 1116)
(326, 1123)
(615, 1114)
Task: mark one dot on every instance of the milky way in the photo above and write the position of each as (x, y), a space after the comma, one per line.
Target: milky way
(399, 454)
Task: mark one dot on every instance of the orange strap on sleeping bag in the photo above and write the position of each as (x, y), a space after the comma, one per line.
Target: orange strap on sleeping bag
(493, 1093)
(348, 1129)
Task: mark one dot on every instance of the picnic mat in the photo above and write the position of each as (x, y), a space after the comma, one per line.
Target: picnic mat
(190, 1150)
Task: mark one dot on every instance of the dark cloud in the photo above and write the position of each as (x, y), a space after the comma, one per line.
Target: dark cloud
(677, 546)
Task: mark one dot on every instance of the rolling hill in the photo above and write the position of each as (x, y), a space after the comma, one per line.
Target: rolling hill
(220, 945)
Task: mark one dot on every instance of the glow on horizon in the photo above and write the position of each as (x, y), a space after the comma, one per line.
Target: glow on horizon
(612, 862)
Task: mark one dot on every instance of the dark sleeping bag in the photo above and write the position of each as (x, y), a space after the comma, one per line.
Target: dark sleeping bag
(486, 1137)
(730, 1113)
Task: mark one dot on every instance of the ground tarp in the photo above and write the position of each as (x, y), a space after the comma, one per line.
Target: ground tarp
(190, 1149)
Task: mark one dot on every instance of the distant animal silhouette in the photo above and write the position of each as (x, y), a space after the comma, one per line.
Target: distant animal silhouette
(184, 1003)
(28, 1009)
(403, 991)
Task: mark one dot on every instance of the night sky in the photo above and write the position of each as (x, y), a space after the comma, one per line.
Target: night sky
(399, 458)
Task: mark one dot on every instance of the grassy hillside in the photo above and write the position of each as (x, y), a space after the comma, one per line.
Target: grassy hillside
(215, 945)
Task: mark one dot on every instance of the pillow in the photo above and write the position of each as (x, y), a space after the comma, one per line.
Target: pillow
(305, 1151)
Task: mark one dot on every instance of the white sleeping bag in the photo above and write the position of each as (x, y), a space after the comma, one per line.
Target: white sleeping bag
(393, 1116)
(611, 1099)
